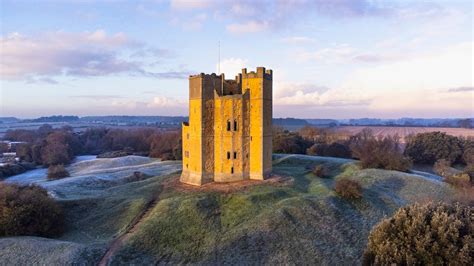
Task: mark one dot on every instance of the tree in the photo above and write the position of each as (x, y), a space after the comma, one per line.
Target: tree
(28, 210)
(57, 172)
(429, 147)
(3, 147)
(334, 149)
(57, 149)
(428, 234)
(465, 123)
(166, 145)
(289, 142)
(468, 151)
(382, 152)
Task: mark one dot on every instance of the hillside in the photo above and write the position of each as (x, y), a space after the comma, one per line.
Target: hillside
(293, 218)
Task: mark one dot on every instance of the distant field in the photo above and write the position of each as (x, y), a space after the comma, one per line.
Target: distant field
(405, 131)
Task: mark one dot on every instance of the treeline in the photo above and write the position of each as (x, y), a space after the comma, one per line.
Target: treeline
(47, 146)
(375, 151)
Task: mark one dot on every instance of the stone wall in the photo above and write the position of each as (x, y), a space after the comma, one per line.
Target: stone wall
(229, 133)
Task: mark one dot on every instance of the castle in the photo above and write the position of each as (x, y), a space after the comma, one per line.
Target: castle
(229, 134)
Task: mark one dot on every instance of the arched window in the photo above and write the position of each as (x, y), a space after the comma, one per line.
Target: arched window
(232, 170)
(235, 155)
(228, 125)
(235, 125)
(228, 155)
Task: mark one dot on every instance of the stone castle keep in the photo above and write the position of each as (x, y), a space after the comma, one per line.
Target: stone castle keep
(229, 134)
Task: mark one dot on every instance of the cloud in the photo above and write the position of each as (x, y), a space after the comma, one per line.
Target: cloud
(162, 101)
(298, 40)
(461, 89)
(306, 95)
(344, 53)
(83, 54)
(248, 27)
(190, 22)
(190, 4)
(96, 97)
(449, 67)
(255, 16)
(160, 105)
(232, 66)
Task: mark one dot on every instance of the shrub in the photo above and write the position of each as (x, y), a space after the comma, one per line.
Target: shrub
(10, 170)
(289, 142)
(57, 172)
(349, 189)
(28, 210)
(442, 167)
(332, 150)
(469, 170)
(468, 152)
(384, 153)
(320, 171)
(432, 146)
(136, 176)
(429, 234)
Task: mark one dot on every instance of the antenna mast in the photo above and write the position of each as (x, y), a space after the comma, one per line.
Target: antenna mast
(219, 58)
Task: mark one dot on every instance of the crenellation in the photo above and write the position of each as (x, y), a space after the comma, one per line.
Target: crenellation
(228, 137)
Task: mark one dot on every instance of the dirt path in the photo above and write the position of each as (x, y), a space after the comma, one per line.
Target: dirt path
(118, 242)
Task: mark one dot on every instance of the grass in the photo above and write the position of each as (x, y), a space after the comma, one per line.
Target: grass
(304, 222)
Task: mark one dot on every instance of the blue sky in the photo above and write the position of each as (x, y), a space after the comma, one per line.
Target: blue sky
(331, 59)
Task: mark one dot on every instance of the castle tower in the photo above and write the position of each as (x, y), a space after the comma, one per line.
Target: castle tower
(229, 134)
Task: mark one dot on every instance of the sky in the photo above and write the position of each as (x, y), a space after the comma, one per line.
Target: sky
(330, 58)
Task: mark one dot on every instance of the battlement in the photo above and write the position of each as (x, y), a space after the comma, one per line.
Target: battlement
(228, 137)
(203, 75)
(261, 73)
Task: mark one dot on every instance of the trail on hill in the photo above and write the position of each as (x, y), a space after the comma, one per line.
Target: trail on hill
(118, 242)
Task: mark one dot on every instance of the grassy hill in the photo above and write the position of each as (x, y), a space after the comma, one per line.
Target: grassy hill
(298, 219)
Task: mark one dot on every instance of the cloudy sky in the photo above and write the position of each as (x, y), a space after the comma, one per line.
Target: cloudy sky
(331, 58)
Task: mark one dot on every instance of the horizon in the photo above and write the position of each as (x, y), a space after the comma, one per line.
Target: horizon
(275, 117)
(331, 60)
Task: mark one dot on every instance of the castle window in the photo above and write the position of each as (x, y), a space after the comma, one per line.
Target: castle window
(235, 125)
(186, 166)
(228, 155)
(228, 125)
(232, 170)
(235, 155)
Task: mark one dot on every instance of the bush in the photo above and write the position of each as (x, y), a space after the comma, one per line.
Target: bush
(429, 234)
(332, 150)
(469, 170)
(57, 172)
(289, 142)
(349, 189)
(429, 147)
(28, 210)
(320, 171)
(383, 153)
(115, 154)
(442, 167)
(468, 152)
(10, 170)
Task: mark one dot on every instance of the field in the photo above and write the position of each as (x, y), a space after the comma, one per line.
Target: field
(295, 218)
(402, 132)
